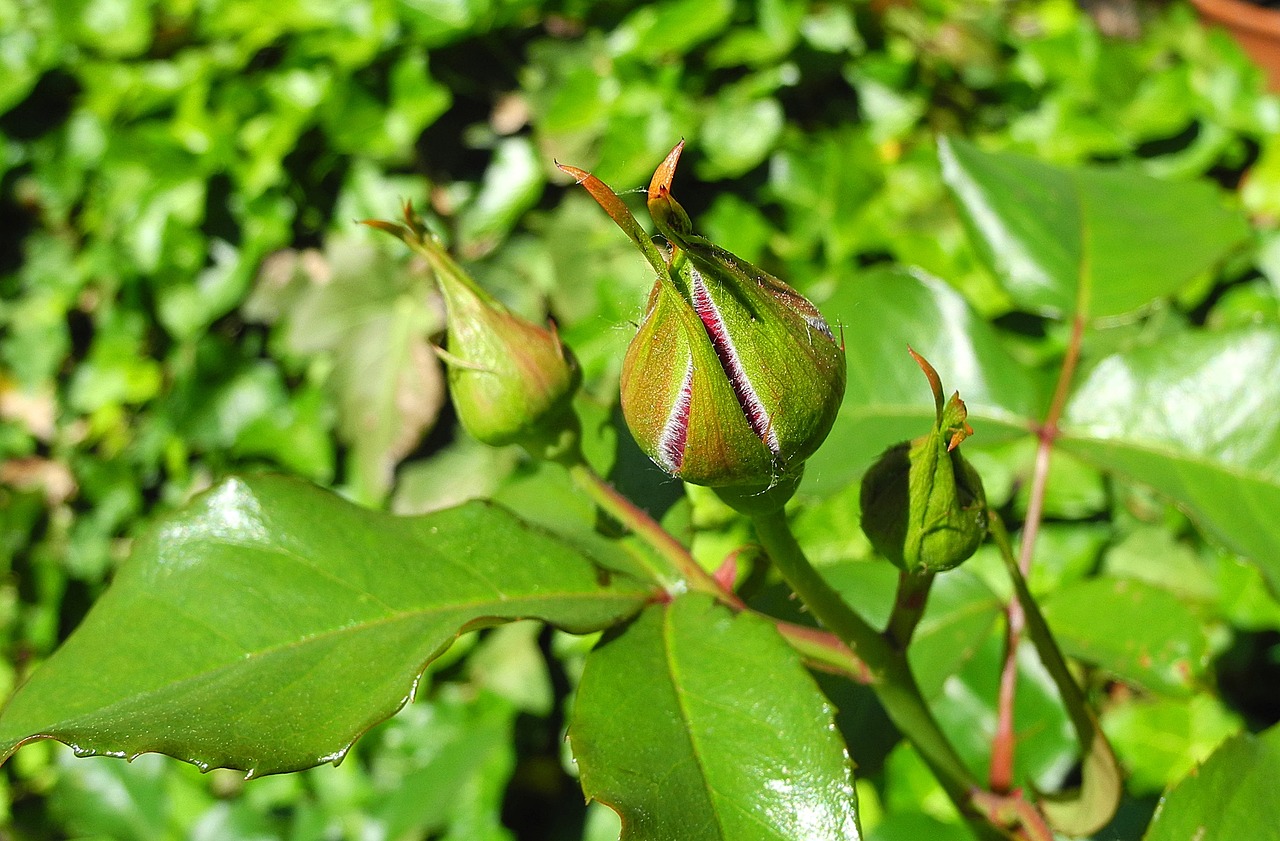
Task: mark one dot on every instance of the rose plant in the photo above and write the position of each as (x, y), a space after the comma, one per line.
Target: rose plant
(269, 624)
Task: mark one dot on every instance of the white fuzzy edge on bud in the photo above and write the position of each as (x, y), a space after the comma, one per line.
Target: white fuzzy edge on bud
(675, 432)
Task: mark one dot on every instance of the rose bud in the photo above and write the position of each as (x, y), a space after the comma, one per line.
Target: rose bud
(511, 381)
(733, 378)
(923, 505)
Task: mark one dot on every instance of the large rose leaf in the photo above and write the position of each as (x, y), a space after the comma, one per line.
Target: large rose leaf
(270, 623)
(698, 724)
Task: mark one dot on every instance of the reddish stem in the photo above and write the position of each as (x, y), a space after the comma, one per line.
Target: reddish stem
(824, 650)
(1018, 817)
(1001, 778)
(821, 649)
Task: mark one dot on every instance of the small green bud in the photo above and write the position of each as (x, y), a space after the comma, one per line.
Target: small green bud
(512, 381)
(923, 505)
(734, 378)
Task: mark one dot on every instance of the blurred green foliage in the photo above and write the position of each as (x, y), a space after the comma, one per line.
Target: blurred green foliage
(183, 294)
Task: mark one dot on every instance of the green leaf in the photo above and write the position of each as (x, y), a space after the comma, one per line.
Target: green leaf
(886, 399)
(271, 623)
(512, 184)
(671, 28)
(117, 28)
(445, 764)
(778, 29)
(1160, 740)
(957, 620)
(1156, 556)
(361, 122)
(738, 133)
(1141, 633)
(115, 800)
(29, 43)
(966, 709)
(823, 182)
(373, 319)
(1091, 242)
(695, 723)
(1231, 796)
(1193, 416)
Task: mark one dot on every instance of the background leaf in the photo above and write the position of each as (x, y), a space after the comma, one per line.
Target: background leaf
(372, 320)
(695, 723)
(887, 399)
(324, 613)
(1094, 242)
(1232, 795)
(1141, 633)
(1193, 415)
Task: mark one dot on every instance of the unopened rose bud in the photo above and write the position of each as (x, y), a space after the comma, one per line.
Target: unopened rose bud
(734, 378)
(511, 381)
(923, 505)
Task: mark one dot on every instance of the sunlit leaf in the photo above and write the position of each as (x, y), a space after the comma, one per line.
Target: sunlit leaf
(271, 623)
(1193, 416)
(1137, 631)
(887, 400)
(1230, 796)
(694, 723)
(1094, 242)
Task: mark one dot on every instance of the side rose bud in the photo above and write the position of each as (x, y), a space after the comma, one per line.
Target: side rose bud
(511, 381)
(734, 378)
(923, 504)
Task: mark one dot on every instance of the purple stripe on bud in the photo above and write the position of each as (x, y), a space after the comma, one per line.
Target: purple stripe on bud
(757, 416)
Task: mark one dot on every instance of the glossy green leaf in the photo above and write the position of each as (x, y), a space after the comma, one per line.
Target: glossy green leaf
(1231, 796)
(1139, 632)
(1194, 417)
(271, 623)
(887, 400)
(695, 723)
(1091, 241)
